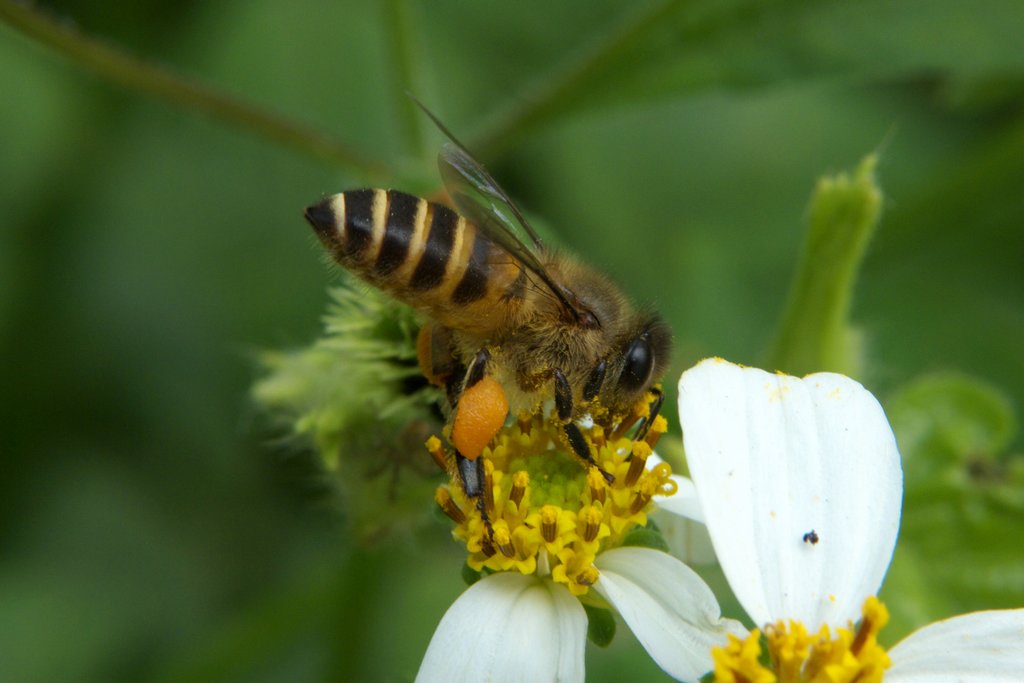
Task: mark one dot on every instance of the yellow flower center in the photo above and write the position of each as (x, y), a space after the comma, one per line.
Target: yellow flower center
(795, 656)
(549, 514)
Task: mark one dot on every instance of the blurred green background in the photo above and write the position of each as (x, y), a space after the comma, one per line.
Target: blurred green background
(152, 528)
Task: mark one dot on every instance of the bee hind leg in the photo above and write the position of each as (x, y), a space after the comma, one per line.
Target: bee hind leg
(479, 411)
(564, 409)
(473, 482)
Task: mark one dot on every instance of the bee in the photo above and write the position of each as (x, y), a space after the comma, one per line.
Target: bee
(512, 325)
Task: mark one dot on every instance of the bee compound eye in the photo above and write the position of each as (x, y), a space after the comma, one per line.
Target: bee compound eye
(638, 365)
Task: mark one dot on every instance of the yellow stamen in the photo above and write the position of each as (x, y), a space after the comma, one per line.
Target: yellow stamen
(520, 480)
(489, 485)
(436, 451)
(658, 427)
(597, 484)
(795, 656)
(647, 489)
(503, 539)
(641, 451)
(587, 577)
(549, 522)
(444, 500)
(591, 518)
(546, 513)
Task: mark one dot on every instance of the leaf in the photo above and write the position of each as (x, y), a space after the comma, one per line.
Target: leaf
(964, 501)
(668, 49)
(600, 625)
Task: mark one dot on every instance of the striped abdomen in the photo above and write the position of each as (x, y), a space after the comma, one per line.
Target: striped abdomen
(421, 253)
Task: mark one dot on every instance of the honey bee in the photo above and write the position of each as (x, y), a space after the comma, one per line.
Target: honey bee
(511, 323)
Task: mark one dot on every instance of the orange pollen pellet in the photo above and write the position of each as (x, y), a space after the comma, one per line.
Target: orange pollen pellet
(519, 481)
(443, 498)
(587, 577)
(593, 523)
(436, 451)
(598, 486)
(549, 523)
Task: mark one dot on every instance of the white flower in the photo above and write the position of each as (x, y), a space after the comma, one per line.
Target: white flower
(800, 484)
(510, 627)
(554, 537)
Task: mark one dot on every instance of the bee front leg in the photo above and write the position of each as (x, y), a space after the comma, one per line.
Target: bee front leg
(564, 409)
(653, 410)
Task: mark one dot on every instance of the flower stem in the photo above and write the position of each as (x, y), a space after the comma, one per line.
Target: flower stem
(815, 332)
(126, 70)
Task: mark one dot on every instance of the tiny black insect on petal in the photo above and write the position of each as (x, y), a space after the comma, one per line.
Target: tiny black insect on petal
(811, 537)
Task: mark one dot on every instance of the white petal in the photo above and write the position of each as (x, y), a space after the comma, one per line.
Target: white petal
(505, 628)
(684, 502)
(670, 609)
(774, 458)
(971, 648)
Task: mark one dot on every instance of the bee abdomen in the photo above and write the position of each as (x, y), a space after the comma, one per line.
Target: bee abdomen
(423, 253)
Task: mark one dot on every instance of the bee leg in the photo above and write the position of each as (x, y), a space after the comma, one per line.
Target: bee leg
(564, 409)
(655, 408)
(595, 380)
(434, 353)
(473, 481)
(481, 410)
(477, 369)
(486, 408)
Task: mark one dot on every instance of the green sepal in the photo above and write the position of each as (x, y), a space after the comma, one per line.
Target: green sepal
(646, 537)
(600, 625)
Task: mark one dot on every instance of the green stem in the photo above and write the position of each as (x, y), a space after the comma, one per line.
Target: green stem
(402, 38)
(815, 332)
(133, 73)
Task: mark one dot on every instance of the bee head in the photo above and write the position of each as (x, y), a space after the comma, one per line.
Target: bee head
(642, 359)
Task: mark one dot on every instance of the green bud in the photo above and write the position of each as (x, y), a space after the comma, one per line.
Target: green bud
(815, 332)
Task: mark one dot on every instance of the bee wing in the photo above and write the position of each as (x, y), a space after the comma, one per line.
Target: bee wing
(477, 193)
(479, 198)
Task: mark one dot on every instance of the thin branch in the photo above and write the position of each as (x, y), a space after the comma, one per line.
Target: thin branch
(544, 96)
(402, 39)
(126, 70)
